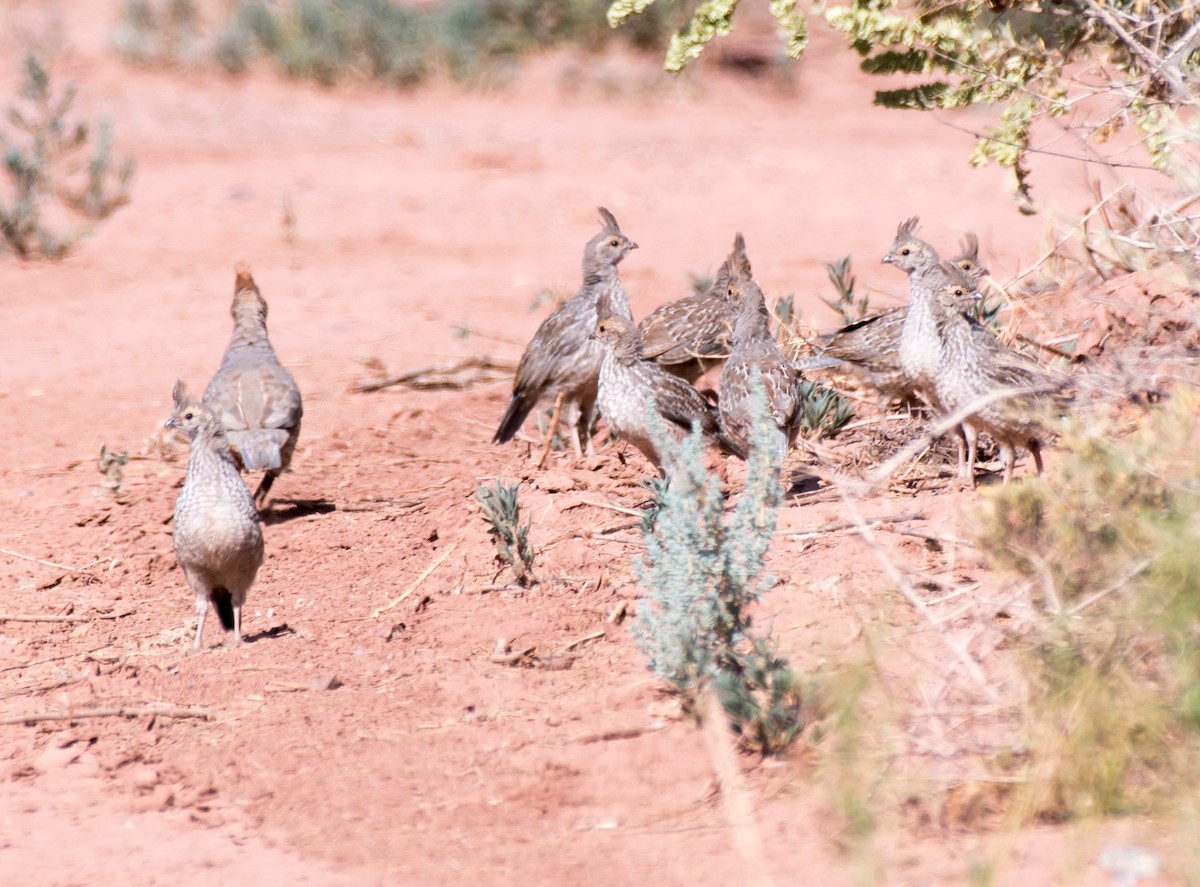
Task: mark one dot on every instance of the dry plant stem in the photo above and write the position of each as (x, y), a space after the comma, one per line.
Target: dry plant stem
(925, 440)
(1138, 569)
(121, 711)
(486, 371)
(1068, 236)
(81, 617)
(838, 526)
(735, 798)
(905, 587)
(558, 402)
(437, 562)
(38, 560)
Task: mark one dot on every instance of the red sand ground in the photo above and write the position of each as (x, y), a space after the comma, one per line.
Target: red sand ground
(422, 227)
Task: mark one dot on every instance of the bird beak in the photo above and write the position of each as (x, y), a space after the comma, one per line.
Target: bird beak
(887, 260)
(632, 245)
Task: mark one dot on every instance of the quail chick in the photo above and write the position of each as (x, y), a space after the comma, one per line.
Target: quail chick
(562, 360)
(631, 386)
(252, 395)
(754, 349)
(218, 540)
(691, 335)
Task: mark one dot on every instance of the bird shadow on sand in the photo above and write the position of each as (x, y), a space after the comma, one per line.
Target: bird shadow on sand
(272, 633)
(280, 511)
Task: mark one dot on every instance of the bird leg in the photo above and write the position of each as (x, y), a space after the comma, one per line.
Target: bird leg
(237, 625)
(264, 487)
(558, 402)
(1035, 450)
(201, 612)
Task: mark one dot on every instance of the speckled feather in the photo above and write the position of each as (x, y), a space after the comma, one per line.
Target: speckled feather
(755, 348)
(631, 385)
(252, 394)
(562, 356)
(691, 335)
(217, 537)
(974, 364)
(870, 348)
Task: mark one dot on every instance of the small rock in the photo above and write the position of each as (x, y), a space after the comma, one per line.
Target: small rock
(326, 682)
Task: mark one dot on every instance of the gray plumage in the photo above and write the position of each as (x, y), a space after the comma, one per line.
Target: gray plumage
(920, 346)
(631, 386)
(755, 349)
(691, 335)
(974, 364)
(869, 349)
(217, 537)
(252, 395)
(562, 358)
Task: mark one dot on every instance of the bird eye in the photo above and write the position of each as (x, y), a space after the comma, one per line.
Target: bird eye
(189, 415)
(614, 242)
(905, 251)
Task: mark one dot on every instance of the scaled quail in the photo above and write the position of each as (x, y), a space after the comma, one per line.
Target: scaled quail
(691, 335)
(252, 395)
(631, 387)
(974, 364)
(562, 360)
(218, 541)
(754, 349)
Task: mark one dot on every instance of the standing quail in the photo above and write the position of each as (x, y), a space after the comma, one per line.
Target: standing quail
(252, 395)
(218, 541)
(631, 386)
(869, 349)
(755, 349)
(691, 335)
(974, 364)
(562, 360)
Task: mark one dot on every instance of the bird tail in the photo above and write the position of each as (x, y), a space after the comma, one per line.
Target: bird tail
(514, 417)
(816, 362)
(731, 447)
(259, 450)
(223, 602)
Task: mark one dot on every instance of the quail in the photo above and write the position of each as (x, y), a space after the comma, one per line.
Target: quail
(253, 396)
(562, 361)
(691, 335)
(631, 387)
(754, 349)
(217, 537)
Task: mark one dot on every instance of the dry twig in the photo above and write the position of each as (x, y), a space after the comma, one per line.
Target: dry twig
(161, 710)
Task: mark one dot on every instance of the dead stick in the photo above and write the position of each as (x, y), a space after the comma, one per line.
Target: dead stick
(437, 562)
(83, 617)
(38, 560)
(595, 635)
(836, 526)
(123, 711)
(558, 402)
(735, 798)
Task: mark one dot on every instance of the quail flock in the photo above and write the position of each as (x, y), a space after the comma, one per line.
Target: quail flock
(589, 352)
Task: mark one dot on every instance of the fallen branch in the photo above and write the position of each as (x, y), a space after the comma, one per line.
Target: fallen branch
(74, 617)
(122, 711)
(458, 376)
(437, 562)
(842, 525)
(45, 563)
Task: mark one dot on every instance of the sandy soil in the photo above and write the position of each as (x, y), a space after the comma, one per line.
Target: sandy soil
(365, 735)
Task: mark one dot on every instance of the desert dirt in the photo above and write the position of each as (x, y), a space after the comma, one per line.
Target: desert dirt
(367, 733)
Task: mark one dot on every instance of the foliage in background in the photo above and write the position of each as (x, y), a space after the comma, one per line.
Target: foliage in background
(382, 40)
(1113, 658)
(49, 169)
(1034, 61)
(703, 571)
(502, 510)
